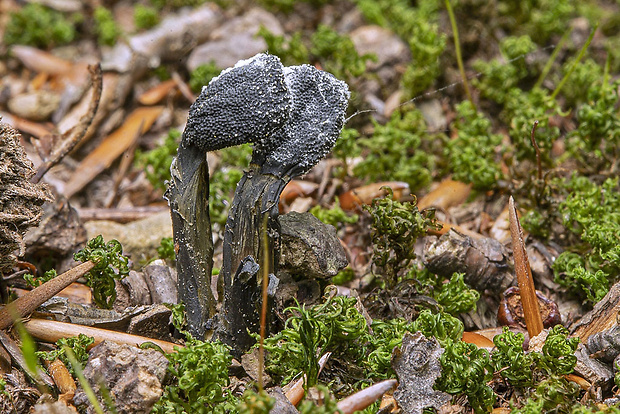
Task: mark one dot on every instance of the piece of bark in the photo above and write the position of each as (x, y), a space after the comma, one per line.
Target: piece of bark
(484, 261)
(139, 292)
(605, 345)
(60, 233)
(282, 405)
(603, 316)
(596, 372)
(132, 376)
(417, 366)
(162, 282)
(13, 348)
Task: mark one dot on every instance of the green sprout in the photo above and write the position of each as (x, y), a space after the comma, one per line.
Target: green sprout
(473, 154)
(78, 344)
(511, 361)
(101, 279)
(156, 163)
(145, 17)
(165, 251)
(396, 227)
(590, 211)
(200, 380)
(329, 406)
(38, 281)
(39, 26)
(106, 27)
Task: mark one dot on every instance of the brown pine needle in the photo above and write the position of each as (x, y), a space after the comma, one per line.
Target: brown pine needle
(531, 310)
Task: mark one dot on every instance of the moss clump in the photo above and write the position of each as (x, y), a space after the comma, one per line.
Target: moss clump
(472, 155)
(106, 28)
(156, 163)
(145, 17)
(202, 75)
(40, 26)
(394, 151)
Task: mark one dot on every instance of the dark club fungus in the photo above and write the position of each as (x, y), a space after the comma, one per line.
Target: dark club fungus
(293, 115)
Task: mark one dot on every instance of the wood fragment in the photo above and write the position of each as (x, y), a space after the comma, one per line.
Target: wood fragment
(603, 316)
(362, 399)
(52, 331)
(296, 392)
(25, 305)
(61, 376)
(531, 310)
(14, 350)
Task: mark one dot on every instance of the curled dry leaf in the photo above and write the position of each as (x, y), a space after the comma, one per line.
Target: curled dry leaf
(354, 199)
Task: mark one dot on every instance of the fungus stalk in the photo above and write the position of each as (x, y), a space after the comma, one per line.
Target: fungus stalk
(293, 115)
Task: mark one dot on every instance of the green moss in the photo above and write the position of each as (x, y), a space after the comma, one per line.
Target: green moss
(176, 4)
(145, 17)
(334, 215)
(40, 26)
(473, 154)
(418, 27)
(591, 212)
(78, 344)
(540, 19)
(335, 52)
(202, 75)
(165, 250)
(291, 50)
(156, 163)
(395, 151)
(110, 265)
(395, 228)
(106, 27)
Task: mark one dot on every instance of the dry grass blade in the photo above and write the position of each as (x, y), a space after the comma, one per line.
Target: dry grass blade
(29, 302)
(531, 310)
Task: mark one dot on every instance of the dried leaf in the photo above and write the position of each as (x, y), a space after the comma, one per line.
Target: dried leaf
(354, 199)
(449, 193)
(138, 122)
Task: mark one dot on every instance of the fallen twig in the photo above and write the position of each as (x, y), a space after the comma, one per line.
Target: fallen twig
(51, 331)
(362, 399)
(26, 304)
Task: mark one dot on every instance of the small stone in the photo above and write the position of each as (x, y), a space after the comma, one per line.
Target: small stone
(132, 376)
(35, 106)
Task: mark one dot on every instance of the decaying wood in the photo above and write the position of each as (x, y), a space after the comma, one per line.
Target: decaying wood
(484, 261)
(52, 331)
(28, 303)
(188, 197)
(604, 316)
(527, 291)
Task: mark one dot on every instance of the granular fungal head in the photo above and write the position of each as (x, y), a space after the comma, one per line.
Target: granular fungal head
(245, 103)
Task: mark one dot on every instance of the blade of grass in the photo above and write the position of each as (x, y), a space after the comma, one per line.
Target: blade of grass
(457, 48)
(531, 310)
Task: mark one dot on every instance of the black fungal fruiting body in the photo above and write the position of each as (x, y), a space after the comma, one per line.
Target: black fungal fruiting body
(293, 115)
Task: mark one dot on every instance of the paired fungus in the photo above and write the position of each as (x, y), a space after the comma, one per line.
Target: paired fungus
(293, 116)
